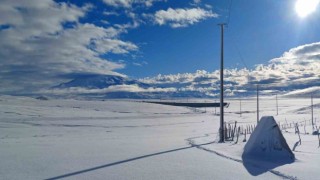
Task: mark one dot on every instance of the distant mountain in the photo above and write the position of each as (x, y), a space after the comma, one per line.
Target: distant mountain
(94, 82)
(307, 92)
(100, 82)
(111, 86)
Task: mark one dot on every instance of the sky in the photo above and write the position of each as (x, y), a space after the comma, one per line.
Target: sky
(45, 42)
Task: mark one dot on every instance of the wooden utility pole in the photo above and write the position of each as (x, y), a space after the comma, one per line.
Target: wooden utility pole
(215, 108)
(240, 108)
(221, 129)
(277, 104)
(257, 103)
(312, 113)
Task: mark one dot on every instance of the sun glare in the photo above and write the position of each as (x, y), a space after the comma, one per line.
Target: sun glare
(306, 7)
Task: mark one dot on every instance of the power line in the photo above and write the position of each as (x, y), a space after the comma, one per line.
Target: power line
(234, 42)
(229, 12)
(239, 53)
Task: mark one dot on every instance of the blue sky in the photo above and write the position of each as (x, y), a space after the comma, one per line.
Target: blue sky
(46, 42)
(258, 30)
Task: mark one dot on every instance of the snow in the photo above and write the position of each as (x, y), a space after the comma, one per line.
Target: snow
(125, 139)
(267, 142)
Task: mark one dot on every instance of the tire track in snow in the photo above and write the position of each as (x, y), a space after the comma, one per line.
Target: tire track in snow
(192, 143)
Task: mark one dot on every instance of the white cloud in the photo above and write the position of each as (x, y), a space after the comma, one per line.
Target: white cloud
(300, 54)
(208, 6)
(110, 13)
(182, 77)
(105, 22)
(182, 17)
(140, 63)
(130, 3)
(298, 68)
(119, 3)
(37, 50)
(195, 3)
(125, 27)
(115, 46)
(115, 88)
(28, 19)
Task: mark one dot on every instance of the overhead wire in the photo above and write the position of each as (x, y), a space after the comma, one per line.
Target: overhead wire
(229, 11)
(234, 43)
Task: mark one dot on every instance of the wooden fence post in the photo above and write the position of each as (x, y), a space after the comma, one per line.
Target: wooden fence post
(234, 129)
(319, 136)
(245, 136)
(225, 131)
(297, 129)
(238, 134)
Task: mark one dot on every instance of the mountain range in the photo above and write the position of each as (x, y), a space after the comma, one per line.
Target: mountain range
(112, 86)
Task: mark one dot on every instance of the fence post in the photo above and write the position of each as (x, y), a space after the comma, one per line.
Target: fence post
(245, 136)
(297, 129)
(238, 134)
(225, 131)
(234, 129)
(229, 132)
(319, 136)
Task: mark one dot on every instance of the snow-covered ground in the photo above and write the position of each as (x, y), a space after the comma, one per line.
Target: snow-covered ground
(122, 139)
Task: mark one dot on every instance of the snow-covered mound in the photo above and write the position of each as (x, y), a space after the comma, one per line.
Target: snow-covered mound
(267, 142)
(306, 110)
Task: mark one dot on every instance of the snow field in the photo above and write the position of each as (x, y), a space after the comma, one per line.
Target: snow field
(117, 139)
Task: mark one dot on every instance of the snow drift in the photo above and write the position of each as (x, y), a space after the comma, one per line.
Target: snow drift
(267, 142)
(266, 148)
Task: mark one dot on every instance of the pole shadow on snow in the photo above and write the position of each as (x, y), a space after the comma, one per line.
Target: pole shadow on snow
(123, 161)
(256, 166)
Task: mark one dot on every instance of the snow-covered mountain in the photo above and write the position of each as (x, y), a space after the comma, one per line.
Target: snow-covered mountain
(100, 82)
(111, 86)
(307, 92)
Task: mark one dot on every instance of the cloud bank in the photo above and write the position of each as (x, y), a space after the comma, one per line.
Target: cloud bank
(296, 69)
(115, 88)
(44, 41)
(296, 72)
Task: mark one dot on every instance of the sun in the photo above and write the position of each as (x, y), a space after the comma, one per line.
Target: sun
(306, 7)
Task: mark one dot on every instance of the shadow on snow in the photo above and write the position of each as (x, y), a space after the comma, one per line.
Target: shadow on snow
(256, 166)
(123, 161)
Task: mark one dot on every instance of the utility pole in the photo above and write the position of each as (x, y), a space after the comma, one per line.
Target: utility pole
(221, 129)
(215, 108)
(257, 103)
(312, 112)
(240, 108)
(277, 104)
(205, 108)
